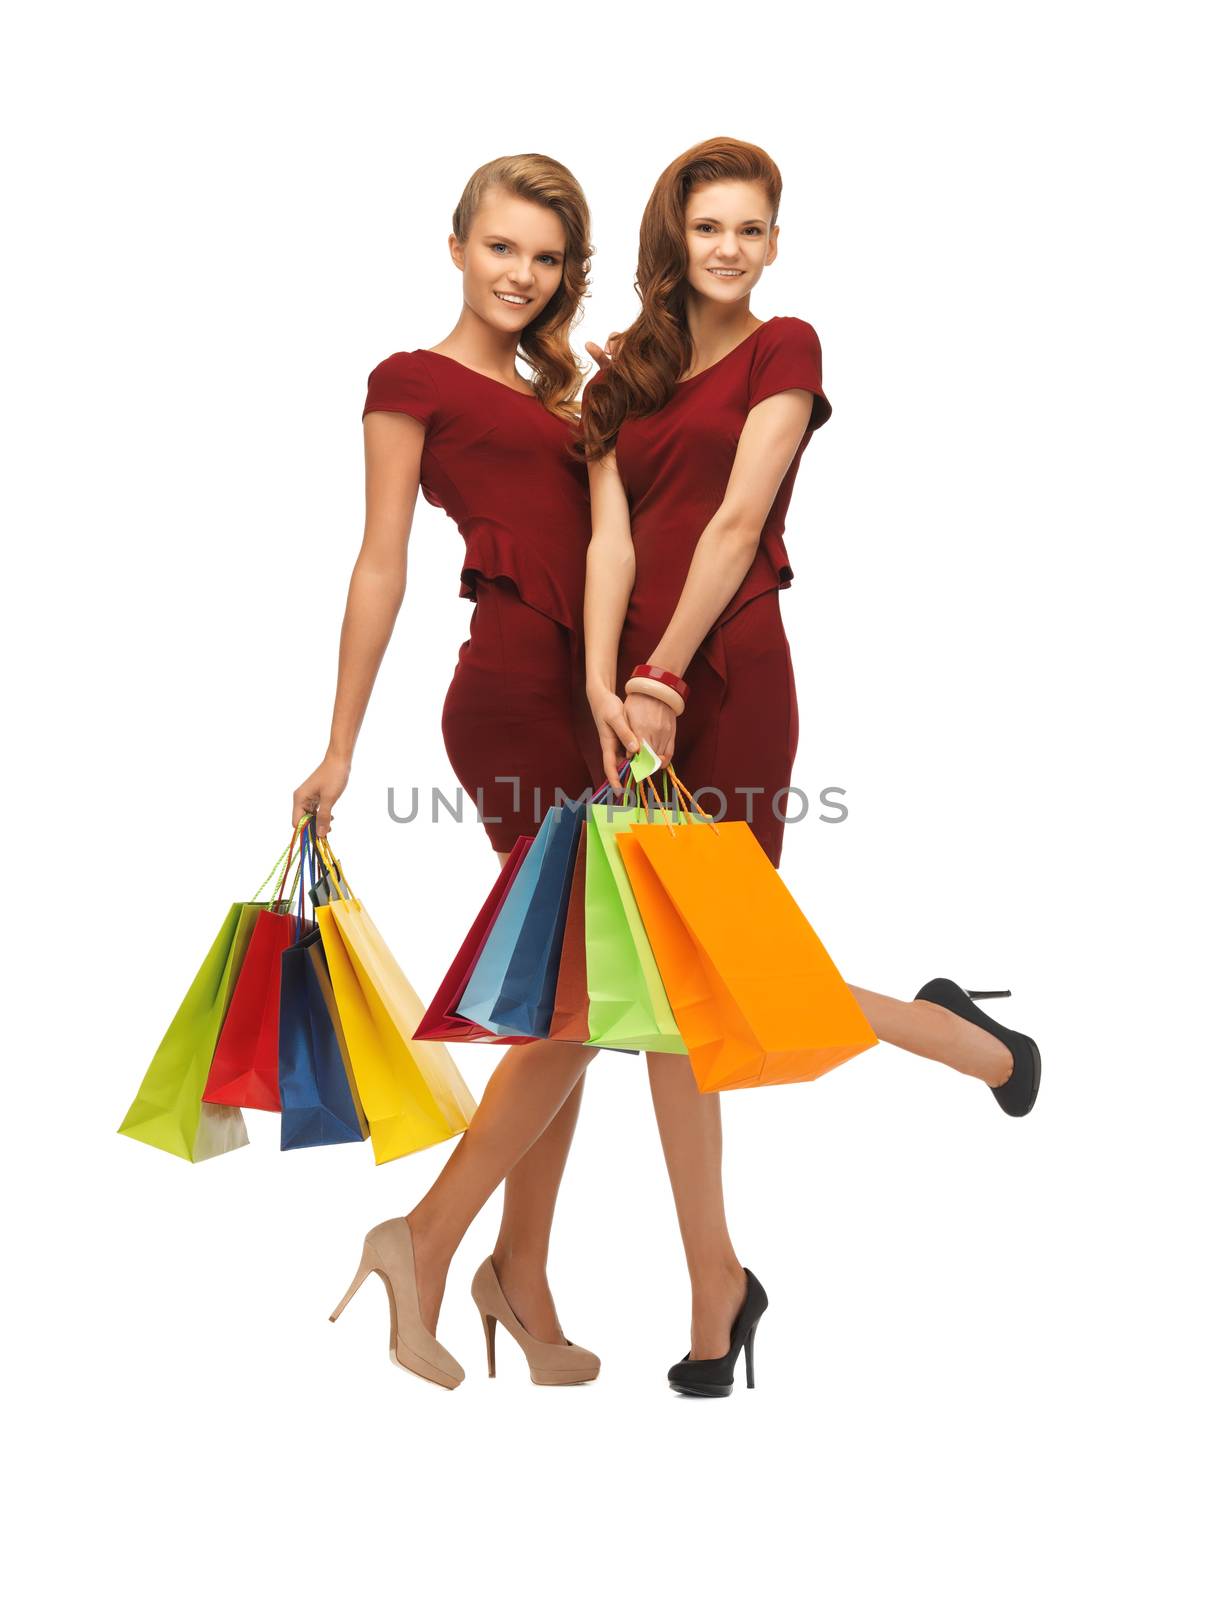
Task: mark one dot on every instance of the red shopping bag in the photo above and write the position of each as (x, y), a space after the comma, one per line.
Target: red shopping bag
(441, 1019)
(244, 1069)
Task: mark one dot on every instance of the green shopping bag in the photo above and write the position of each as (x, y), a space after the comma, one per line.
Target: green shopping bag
(627, 1007)
(168, 1112)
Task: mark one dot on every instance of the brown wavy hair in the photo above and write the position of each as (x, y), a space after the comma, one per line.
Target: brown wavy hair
(545, 344)
(656, 349)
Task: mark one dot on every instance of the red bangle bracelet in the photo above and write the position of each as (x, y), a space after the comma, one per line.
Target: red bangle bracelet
(671, 680)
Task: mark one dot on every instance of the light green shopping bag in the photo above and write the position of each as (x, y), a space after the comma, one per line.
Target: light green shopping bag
(168, 1112)
(627, 1007)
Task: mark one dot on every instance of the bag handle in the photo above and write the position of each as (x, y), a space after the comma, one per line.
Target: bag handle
(692, 805)
(621, 771)
(333, 868)
(307, 861)
(284, 897)
(282, 860)
(691, 809)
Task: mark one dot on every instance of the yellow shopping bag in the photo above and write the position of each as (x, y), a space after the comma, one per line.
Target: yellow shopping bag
(411, 1091)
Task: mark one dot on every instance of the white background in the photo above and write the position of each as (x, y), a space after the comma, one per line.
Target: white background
(991, 1366)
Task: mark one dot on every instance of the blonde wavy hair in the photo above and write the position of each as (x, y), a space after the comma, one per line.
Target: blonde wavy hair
(545, 344)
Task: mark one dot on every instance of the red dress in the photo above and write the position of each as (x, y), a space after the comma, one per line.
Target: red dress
(739, 730)
(516, 726)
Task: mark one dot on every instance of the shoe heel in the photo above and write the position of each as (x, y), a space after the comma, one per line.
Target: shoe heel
(489, 1322)
(750, 1356)
(987, 994)
(365, 1266)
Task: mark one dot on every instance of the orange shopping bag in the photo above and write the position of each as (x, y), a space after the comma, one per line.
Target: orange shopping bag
(756, 997)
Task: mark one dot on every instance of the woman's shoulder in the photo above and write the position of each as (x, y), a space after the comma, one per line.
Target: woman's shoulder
(402, 363)
(789, 356)
(788, 331)
(405, 382)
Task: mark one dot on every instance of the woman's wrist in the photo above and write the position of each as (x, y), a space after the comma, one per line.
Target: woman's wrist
(661, 675)
(653, 688)
(669, 656)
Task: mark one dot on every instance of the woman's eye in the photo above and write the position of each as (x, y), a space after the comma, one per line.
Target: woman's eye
(498, 247)
(549, 261)
(754, 228)
(703, 227)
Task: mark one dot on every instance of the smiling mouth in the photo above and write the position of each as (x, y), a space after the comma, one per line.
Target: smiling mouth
(725, 272)
(512, 299)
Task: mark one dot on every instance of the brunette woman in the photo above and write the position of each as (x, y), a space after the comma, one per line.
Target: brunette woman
(694, 433)
(496, 452)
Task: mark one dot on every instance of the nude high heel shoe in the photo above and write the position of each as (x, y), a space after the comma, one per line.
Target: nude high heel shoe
(548, 1363)
(389, 1250)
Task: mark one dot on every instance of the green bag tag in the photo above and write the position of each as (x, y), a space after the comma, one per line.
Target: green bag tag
(644, 763)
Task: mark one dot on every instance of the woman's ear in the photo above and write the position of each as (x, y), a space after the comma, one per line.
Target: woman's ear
(457, 251)
(771, 249)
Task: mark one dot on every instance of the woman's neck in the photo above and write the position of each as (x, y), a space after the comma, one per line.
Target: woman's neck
(716, 330)
(488, 350)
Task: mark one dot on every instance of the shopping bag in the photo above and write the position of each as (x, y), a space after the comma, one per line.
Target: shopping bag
(627, 1003)
(168, 1112)
(245, 1069)
(319, 1097)
(757, 998)
(569, 1019)
(485, 984)
(441, 1019)
(410, 1090)
(526, 995)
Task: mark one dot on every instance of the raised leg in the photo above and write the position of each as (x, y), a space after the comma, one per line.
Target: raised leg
(929, 1030)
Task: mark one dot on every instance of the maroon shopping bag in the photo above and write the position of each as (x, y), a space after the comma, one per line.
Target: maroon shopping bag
(441, 1019)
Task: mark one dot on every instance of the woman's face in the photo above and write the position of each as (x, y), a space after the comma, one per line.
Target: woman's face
(512, 261)
(729, 239)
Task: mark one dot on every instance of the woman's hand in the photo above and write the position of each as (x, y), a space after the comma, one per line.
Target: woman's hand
(615, 733)
(652, 722)
(600, 356)
(321, 791)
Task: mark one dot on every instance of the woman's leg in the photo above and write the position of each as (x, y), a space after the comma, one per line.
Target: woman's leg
(508, 711)
(529, 1194)
(530, 1191)
(527, 1089)
(929, 1030)
(690, 1127)
(744, 721)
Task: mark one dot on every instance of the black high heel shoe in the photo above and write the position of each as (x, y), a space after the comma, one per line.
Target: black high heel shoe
(1018, 1094)
(715, 1376)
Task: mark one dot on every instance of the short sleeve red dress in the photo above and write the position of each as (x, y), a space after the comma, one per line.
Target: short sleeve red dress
(738, 736)
(515, 724)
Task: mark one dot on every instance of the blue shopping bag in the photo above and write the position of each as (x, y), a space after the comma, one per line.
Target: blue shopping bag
(319, 1099)
(485, 986)
(525, 1002)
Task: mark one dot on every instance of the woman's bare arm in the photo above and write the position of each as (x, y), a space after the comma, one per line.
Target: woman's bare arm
(393, 451)
(726, 548)
(609, 575)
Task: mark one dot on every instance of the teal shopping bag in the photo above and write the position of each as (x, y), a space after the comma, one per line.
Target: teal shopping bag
(485, 985)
